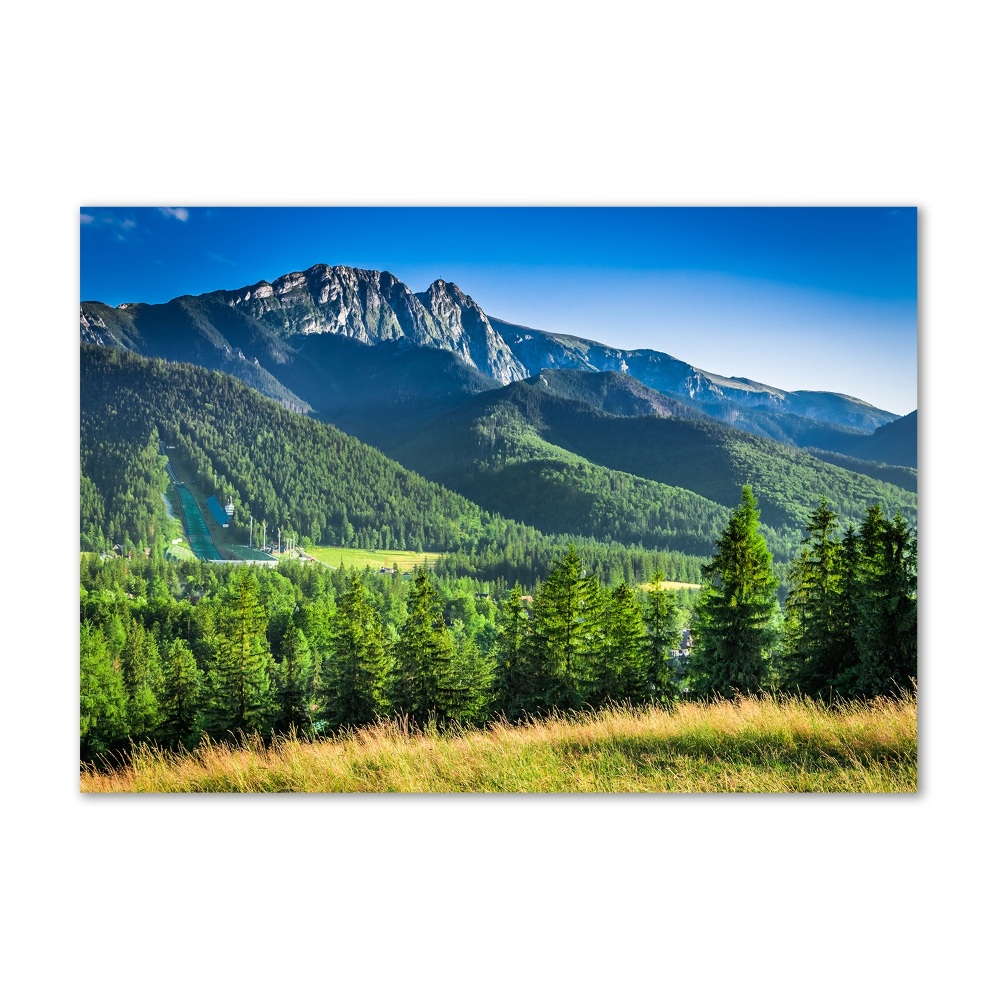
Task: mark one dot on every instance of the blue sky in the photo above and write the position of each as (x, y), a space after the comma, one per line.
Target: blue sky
(820, 298)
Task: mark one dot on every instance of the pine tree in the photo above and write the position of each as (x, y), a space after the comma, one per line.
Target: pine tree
(424, 656)
(183, 685)
(143, 678)
(819, 645)
(464, 692)
(621, 675)
(103, 701)
(315, 618)
(885, 604)
(353, 676)
(292, 678)
(564, 630)
(663, 634)
(735, 624)
(518, 691)
(242, 694)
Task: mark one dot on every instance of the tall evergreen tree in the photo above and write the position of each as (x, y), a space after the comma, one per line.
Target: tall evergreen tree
(885, 601)
(315, 617)
(242, 693)
(663, 635)
(735, 622)
(563, 640)
(292, 679)
(424, 656)
(621, 675)
(183, 685)
(464, 692)
(354, 674)
(143, 680)
(518, 689)
(819, 644)
(103, 701)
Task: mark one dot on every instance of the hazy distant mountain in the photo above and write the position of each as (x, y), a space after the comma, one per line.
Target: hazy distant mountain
(741, 402)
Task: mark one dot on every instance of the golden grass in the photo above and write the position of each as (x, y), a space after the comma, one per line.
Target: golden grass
(751, 745)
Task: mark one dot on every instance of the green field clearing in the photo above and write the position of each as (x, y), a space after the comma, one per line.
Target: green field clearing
(405, 561)
(672, 585)
(179, 549)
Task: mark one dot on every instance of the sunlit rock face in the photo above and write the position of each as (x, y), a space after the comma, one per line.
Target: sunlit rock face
(375, 306)
(271, 326)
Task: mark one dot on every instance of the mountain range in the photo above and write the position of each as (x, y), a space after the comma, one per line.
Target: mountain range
(274, 335)
(562, 433)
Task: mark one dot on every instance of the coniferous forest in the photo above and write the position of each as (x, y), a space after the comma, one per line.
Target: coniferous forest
(172, 652)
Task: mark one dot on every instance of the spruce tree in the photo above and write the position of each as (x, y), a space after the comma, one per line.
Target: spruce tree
(663, 635)
(464, 693)
(143, 679)
(885, 605)
(424, 656)
(242, 693)
(103, 701)
(621, 675)
(517, 691)
(292, 680)
(735, 622)
(353, 676)
(819, 644)
(183, 685)
(564, 635)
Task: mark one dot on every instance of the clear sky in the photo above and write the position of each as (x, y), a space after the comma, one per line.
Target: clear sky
(821, 298)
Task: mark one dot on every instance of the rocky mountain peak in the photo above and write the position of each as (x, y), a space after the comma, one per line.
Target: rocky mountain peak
(271, 319)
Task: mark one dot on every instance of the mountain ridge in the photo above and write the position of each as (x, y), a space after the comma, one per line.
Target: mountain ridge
(268, 323)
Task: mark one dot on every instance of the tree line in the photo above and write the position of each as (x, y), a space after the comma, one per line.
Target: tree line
(171, 653)
(168, 659)
(849, 626)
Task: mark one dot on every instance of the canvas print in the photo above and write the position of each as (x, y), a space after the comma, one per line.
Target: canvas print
(498, 499)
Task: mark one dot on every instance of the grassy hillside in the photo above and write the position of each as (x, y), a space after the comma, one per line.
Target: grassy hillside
(751, 745)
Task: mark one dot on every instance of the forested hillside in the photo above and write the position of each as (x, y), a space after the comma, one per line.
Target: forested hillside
(294, 472)
(600, 454)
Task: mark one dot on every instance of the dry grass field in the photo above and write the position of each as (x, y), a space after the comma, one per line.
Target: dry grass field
(758, 744)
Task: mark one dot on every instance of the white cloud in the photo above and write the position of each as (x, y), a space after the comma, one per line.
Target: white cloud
(181, 214)
(110, 222)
